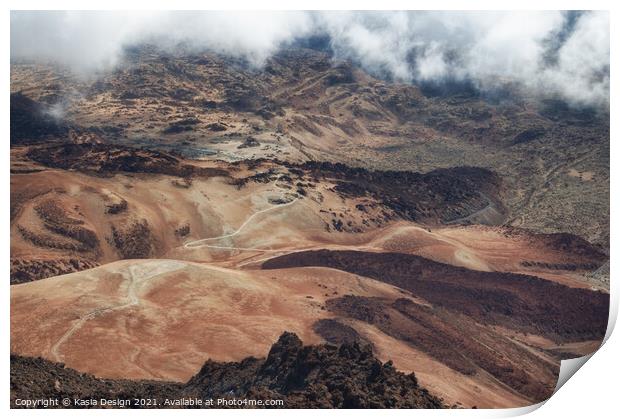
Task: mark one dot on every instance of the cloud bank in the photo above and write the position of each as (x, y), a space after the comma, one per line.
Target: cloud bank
(549, 53)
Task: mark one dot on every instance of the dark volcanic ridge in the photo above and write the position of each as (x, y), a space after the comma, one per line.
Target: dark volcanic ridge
(464, 316)
(321, 376)
(522, 302)
(109, 159)
(442, 196)
(31, 122)
(459, 195)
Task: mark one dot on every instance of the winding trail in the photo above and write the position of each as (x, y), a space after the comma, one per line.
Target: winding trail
(202, 242)
(131, 300)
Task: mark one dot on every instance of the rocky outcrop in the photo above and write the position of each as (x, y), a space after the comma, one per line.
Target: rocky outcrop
(457, 315)
(321, 376)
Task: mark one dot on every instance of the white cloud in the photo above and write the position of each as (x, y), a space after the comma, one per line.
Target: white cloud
(488, 48)
(94, 40)
(82, 40)
(582, 73)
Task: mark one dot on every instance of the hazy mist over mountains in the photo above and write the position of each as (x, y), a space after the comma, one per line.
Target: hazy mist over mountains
(553, 53)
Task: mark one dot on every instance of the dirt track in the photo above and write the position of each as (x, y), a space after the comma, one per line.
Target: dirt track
(201, 242)
(132, 299)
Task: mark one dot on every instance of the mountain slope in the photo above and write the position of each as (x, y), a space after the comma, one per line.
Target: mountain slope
(302, 105)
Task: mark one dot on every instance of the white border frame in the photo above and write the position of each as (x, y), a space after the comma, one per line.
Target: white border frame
(592, 392)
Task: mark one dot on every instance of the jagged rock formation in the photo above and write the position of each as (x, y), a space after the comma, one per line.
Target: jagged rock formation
(321, 376)
(461, 308)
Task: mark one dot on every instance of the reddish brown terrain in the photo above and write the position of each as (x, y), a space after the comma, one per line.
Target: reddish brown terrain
(188, 211)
